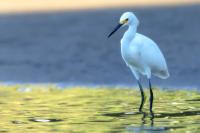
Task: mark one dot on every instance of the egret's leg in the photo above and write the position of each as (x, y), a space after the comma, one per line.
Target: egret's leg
(151, 97)
(142, 96)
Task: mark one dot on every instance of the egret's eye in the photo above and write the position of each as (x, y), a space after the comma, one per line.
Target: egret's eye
(125, 21)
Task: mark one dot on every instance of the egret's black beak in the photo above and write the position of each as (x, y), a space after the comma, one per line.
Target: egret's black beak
(116, 28)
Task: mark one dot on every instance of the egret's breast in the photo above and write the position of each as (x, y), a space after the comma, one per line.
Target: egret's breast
(131, 55)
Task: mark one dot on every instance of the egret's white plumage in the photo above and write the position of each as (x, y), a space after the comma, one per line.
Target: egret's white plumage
(140, 53)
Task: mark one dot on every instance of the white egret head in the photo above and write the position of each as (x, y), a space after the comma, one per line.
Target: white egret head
(127, 18)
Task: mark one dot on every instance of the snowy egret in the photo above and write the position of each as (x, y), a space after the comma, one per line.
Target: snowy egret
(141, 54)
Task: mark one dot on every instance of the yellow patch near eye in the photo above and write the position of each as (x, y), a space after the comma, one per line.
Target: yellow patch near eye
(124, 21)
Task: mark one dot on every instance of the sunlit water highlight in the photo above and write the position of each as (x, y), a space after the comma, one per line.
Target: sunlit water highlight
(47, 109)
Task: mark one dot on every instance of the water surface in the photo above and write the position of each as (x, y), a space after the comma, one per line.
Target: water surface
(35, 109)
(73, 47)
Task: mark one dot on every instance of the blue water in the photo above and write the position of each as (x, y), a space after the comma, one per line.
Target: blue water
(72, 47)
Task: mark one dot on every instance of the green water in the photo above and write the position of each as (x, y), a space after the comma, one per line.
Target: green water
(81, 110)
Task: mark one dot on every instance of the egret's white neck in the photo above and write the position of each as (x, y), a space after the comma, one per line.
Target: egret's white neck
(130, 33)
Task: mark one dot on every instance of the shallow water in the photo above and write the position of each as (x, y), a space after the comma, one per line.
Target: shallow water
(46, 109)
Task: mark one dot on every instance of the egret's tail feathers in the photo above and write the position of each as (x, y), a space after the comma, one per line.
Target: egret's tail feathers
(163, 74)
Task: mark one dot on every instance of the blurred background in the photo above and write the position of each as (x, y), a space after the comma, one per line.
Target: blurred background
(63, 41)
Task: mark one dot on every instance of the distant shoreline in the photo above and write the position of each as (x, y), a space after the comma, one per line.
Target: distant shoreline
(20, 6)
